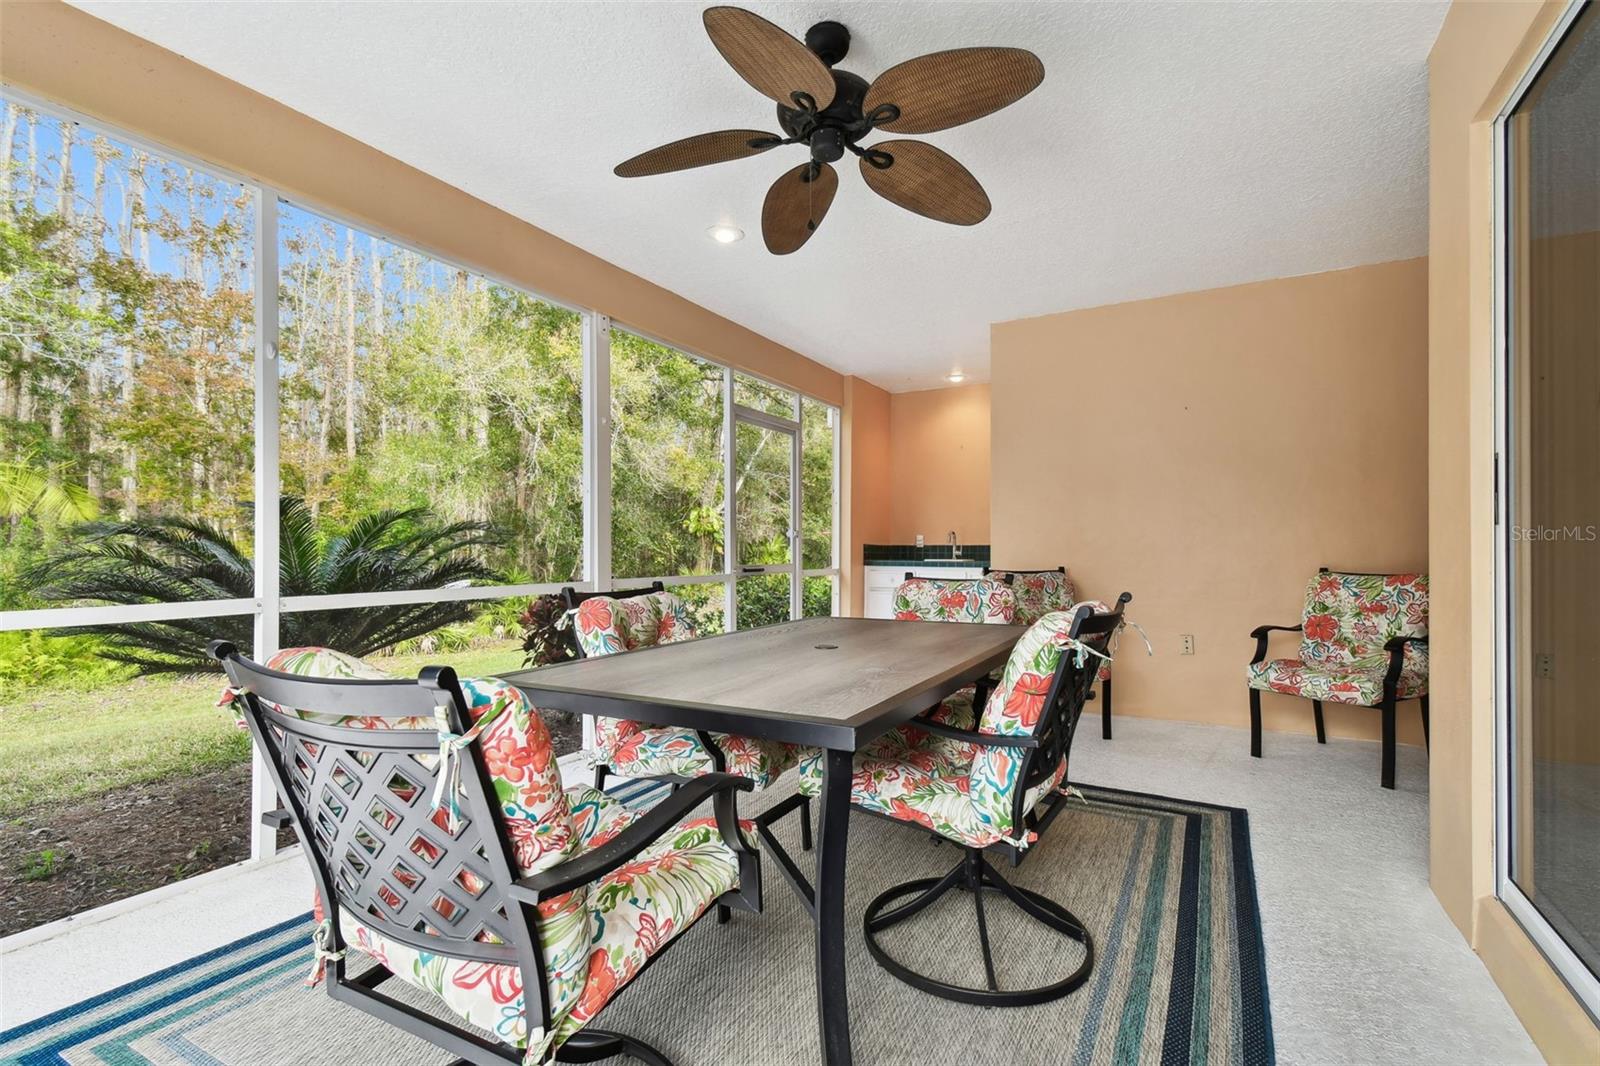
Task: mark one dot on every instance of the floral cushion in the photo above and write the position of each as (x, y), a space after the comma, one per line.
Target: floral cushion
(522, 767)
(1038, 592)
(605, 625)
(923, 779)
(631, 914)
(635, 749)
(1014, 709)
(1339, 684)
(928, 599)
(642, 906)
(595, 938)
(1349, 617)
(959, 790)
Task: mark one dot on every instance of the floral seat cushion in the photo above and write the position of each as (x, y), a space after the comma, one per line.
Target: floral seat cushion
(606, 626)
(963, 791)
(1338, 685)
(927, 599)
(631, 914)
(1347, 621)
(625, 918)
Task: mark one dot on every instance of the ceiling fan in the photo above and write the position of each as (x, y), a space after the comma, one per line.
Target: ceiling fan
(831, 110)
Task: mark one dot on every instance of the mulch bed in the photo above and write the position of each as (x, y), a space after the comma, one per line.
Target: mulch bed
(62, 860)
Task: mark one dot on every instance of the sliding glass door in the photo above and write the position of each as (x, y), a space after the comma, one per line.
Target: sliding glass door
(1549, 785)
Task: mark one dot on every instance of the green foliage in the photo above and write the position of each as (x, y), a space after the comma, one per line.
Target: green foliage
(169, 560)
(42, 866)
(30, 490)
(666, 460)
(33, 657)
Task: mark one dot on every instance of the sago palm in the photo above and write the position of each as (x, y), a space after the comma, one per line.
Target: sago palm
(169, 560)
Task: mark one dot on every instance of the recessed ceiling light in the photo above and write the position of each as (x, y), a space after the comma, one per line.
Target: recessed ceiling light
(725, 234)
(956, 377)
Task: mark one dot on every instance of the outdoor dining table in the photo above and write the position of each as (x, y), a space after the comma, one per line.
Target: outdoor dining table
(830, 683)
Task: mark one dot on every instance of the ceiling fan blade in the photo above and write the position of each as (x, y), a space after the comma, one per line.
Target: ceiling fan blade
(944, 89)
(775, 64)
(928, 181)
(795, 207)
(700, 150)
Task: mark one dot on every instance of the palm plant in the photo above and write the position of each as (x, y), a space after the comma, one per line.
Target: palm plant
(29, 488)
(169, 560)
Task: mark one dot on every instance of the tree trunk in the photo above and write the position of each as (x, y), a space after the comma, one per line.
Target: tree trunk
(102, 150)
(33, 156)
(64, 191)
(349, 344)
(375, 263)
(137, 243)
(5, 160)
(194, 271)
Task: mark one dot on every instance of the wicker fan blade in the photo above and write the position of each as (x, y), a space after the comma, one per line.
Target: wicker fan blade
(700, 150)
(775, 64)
(795, 207)
(944, 89)
(928, 181)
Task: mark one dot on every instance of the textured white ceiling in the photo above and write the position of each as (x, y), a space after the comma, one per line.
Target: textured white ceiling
(1172, 147)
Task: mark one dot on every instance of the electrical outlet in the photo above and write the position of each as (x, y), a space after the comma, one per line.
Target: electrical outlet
(1544, 666)
(919, 541)
(1188, 644)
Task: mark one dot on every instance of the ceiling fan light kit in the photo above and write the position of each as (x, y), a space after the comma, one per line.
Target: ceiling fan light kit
(830, 111)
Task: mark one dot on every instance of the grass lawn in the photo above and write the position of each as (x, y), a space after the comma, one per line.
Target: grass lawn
(60, 744)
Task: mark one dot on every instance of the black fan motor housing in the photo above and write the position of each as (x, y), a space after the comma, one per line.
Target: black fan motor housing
(843, 114)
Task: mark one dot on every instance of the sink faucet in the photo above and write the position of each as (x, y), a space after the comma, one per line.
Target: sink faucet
(955, 547)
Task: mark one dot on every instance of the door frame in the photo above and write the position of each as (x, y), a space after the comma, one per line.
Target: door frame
(734, 415)
(1508, 466)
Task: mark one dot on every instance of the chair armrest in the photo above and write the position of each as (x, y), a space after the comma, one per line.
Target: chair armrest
(1260, 635)
(1394, 644)
(646, 830)
(983, 740)
(1396, 647)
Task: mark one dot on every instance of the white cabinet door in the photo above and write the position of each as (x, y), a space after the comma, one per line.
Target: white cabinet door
(878, 603)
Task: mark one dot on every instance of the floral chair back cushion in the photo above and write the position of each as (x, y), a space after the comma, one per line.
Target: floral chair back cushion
(606, 626)
(1038, 592)
(1014, 709)
(1349, 617)
(522, 767)
(929, 599)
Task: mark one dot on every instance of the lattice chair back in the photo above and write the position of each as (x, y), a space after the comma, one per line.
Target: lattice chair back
(971, 599)
(429, 877)
(1348, 618)
(1041, 694)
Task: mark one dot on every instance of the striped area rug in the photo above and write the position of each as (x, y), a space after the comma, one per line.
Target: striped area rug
(1166, 886)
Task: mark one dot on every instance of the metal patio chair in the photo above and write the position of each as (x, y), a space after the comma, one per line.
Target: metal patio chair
(1365, 643)
(998, 784)
(444, 849)
(608, 623)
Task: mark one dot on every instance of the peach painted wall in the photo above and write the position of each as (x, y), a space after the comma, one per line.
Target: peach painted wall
(864, 458)
(1482, 51)
(1235, 440)
(939, 464)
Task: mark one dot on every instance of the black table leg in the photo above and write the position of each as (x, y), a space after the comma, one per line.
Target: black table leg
(833, 1005)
